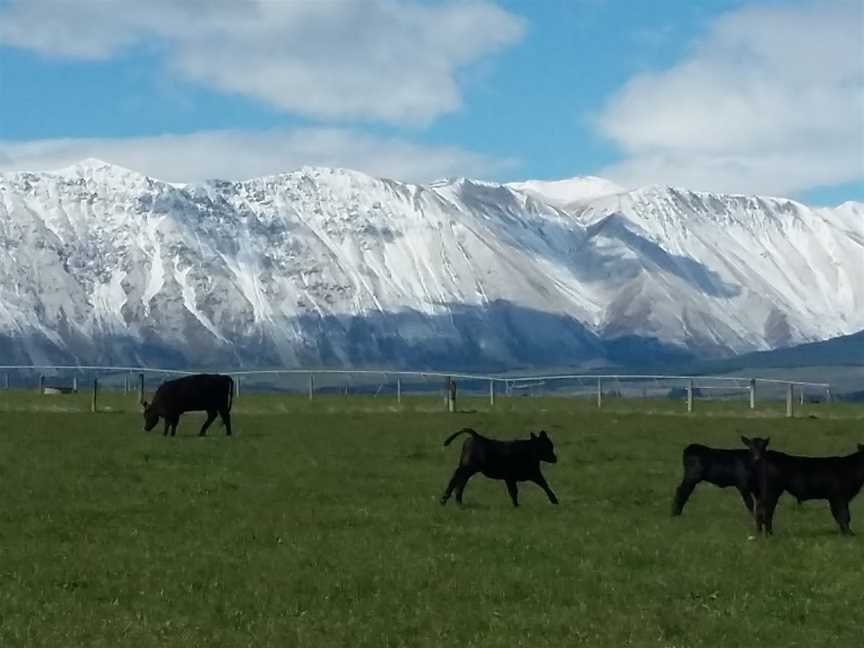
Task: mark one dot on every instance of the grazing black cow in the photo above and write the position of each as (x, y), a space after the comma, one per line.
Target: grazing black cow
(716, 466)
(836, 479)
(512, 461)
(203, 392)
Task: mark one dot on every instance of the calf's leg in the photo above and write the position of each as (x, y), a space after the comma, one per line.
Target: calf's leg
(226, 419)
(682, 494)
(840, 511)
(541, 482)
(765, 513)
(748, 500)
(211, 416)
(460, 487)
(460, 477)
(513, 489)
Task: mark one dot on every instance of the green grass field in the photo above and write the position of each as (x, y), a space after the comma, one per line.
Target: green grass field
(318, 524)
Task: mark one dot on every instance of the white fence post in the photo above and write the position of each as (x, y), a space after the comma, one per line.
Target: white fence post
(690, 396)
(752, 393)
(790, 391)
(491, 392)
(398, 389)
(599, 393)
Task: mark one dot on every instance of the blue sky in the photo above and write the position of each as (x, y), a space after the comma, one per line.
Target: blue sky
(724, 95)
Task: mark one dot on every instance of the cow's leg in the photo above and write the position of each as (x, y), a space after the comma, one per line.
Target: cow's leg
(211, 416)
(167, 426)
(226, 420)
(460, 476)
(840, 511)
(747, 496)
(682, 494)
(513, 489)
(174, 421)
(541, 482)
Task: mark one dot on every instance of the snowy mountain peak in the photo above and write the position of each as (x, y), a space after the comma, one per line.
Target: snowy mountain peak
(568, 192)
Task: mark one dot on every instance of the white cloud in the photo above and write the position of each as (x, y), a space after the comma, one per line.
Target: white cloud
(770, 100)
(246, 154)
(386, 60)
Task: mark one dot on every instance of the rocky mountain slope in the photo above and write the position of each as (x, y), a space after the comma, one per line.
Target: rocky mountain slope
(333, 267)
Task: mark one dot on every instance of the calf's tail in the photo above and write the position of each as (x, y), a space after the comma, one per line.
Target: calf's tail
(455, 434)
(230, 392)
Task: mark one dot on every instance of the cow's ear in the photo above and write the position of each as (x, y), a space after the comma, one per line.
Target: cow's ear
(145, 404)
(533, 436)
(747, 442)
(767, 441)
(861, 447)
(543, 434)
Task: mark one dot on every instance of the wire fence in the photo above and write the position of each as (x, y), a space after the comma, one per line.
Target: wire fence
(450, 386)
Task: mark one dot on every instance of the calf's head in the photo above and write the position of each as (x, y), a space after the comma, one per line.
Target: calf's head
(758, 447)
(151, 417)
(543, 447)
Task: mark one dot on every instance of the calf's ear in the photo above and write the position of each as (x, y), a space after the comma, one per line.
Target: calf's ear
(533, 436)
(747, 442)
(543, 434)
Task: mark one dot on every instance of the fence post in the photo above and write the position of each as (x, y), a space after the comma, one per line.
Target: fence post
(311, 385)
(140, 388)
(491, 392)
(41, 384)
(599, 393)
(236, 386)
(75, 384)
(690, 396)
(398, 389)
(93, 396)
(346, 386)
(451, 394)
(801, 394)
(752, 393)
(827, 393)
(790, 391)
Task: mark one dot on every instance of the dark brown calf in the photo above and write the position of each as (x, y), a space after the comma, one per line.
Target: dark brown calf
(511, 461)
(836, 479)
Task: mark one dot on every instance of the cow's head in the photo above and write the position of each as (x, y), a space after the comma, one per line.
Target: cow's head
(151, 417)
(758, 447)
(861, 447)
(543, 447)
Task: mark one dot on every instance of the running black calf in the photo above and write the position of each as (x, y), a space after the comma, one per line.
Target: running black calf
(836, 479)
(716, 466)
(512, 461)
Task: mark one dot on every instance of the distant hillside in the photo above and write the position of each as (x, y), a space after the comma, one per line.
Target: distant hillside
(844, 351)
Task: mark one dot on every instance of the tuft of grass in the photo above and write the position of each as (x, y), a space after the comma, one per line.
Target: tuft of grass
(317, 524)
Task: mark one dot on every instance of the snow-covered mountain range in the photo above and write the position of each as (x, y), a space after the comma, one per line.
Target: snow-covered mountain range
(333, 267)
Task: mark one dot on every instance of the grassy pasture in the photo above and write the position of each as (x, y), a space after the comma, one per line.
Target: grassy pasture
(318, 525)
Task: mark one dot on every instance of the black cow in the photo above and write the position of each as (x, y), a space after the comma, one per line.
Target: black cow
(716, 466)
(512, 461)
(203, 392)
(836, 479)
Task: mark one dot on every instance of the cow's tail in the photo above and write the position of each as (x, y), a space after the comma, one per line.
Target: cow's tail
(462, 431)
(230, 392)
